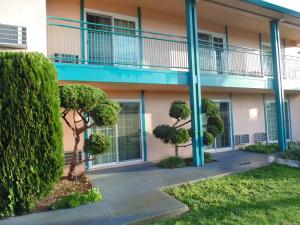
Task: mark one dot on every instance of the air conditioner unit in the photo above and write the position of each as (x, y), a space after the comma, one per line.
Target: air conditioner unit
(12, 36)
(260, 137)
(69, 155)
(241, 139)
(66, 58)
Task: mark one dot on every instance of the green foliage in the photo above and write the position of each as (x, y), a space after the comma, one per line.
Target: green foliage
(76, 199)
(293, 152)
(208, 138)
(172, 162)
(263, 148)
(209, 107)
(268, 196)
(179, 136)
(164, 132)
(80, 97)
(88, 102)
(208, 157)
(179, 110)
(31, 149)
(106, 113)
(97, 143)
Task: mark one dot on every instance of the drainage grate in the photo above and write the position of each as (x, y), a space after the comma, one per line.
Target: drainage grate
(245, 164)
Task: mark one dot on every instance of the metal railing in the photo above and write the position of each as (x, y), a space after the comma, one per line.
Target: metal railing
(120, 46)
(220, 58)
(291, 67)
(112, 45)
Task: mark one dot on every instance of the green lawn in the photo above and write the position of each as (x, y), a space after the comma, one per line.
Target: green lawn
(269, 195)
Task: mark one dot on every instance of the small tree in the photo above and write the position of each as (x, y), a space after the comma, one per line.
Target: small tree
(178, 136)
(87, 102)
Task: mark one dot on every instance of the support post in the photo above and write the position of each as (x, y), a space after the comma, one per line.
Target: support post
(144, 133)
(82, 31)
(194, 82)
(278, 88)
(139, 14)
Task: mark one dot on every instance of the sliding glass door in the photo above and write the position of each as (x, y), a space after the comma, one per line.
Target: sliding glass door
(223, 141)
(125, 136)
(111, 40)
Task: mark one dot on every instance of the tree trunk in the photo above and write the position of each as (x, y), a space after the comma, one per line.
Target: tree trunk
(74, 158)
(176, 151)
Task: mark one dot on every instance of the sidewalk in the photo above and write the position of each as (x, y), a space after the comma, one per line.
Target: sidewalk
(133, 193)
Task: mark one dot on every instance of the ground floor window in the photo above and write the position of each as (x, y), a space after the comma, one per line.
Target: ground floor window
(223, 141)
(272, 121)
(126, 136)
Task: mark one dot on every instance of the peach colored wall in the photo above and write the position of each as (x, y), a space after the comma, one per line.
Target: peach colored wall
(248, 114)
(30, 14)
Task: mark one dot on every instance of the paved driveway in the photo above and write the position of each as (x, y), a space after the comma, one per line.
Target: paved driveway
(133, 193)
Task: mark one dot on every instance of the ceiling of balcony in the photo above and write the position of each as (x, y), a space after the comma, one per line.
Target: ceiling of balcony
(233, 13)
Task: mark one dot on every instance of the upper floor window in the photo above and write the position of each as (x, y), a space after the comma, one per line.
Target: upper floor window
(13, 36)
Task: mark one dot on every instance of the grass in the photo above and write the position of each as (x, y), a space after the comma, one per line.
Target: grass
(269, 195)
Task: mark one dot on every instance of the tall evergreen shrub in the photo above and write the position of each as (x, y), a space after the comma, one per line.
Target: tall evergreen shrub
(31, 150)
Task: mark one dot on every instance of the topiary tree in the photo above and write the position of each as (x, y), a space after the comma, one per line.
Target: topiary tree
(31, 149)
(87, 102)
(178, 136)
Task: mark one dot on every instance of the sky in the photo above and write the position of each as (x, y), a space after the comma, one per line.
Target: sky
(291, 4)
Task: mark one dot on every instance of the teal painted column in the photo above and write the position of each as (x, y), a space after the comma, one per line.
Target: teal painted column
(194, 82)
(232, 123)
(86, 155)
(82, 31)
(279, 92)
(144, 134)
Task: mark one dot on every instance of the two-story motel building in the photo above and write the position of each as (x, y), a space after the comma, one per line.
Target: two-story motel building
(244, 55)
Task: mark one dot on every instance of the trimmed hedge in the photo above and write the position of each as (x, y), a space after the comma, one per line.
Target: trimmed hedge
(31, 150)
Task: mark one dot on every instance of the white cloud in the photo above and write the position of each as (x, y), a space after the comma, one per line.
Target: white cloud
(290, 4)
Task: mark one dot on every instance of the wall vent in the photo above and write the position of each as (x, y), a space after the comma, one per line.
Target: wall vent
(241, 139)
(66, 58)
(260, 137)
(13, 36)
(68, 157)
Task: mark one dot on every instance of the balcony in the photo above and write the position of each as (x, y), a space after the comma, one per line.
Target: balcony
(117, 47)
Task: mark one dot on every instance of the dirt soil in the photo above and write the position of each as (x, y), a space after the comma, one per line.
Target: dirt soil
(63, 188)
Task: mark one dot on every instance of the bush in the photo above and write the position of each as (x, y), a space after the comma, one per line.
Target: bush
(76, 199)
(263, 148)
(177, 162)
(31, 150)
(172, 162)
(293, 154)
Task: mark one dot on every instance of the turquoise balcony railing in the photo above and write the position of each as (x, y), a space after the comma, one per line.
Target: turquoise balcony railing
(114, 46)
(291, 67)
(72, 41)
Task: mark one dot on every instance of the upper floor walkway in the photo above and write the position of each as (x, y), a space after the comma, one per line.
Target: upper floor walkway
(112, 46)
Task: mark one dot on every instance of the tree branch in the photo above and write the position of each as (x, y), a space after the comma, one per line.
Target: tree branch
(183, 146)
(67, 122)
(174, 125)
(181, 125)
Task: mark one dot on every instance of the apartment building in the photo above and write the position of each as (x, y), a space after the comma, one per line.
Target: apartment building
(244, 55)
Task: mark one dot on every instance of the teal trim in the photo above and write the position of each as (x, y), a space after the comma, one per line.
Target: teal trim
(82, 31)
(290, 118)
(265, 115)
(86, 155)
(139, 14)
(274, 7)
(144, 133)
(109, 74)
(232, 122)
(279, 92)
(194, 82)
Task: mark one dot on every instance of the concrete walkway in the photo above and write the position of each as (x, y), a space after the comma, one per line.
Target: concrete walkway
(133, 193)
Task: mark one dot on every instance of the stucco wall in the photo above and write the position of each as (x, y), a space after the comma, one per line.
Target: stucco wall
(295, 121)
(30, 14)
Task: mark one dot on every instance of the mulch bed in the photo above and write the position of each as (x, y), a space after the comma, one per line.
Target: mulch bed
(63, 188)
